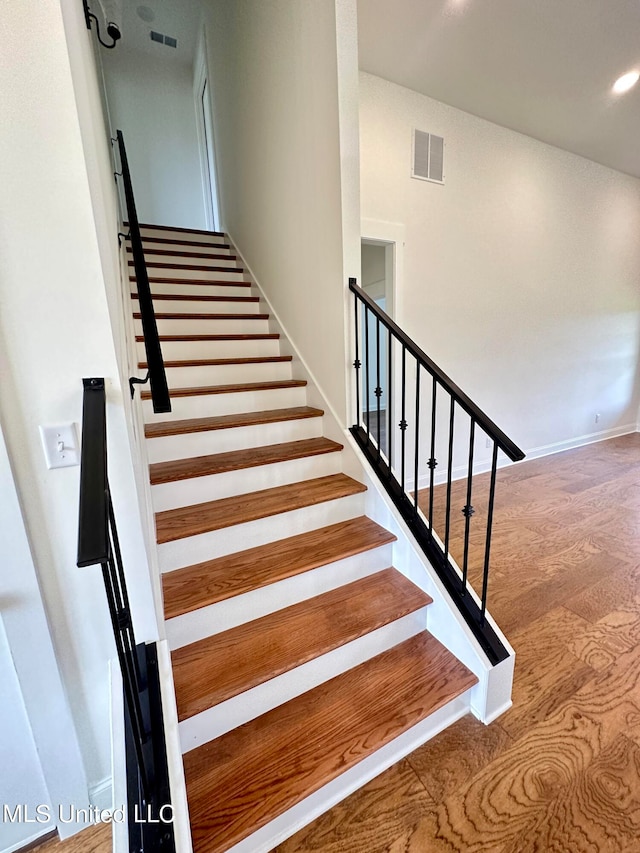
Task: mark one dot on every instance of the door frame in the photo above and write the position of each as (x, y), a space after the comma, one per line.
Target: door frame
(206, 141)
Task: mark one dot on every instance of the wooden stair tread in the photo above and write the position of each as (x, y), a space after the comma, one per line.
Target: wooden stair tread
(167, 266)
(180, 229)
(216, 668)
(173, 241)
(172, 315)
(234, 460)
(180, 253)
(197, 297)
(266, 336)
(202, 281)
(220, 362)
(190, 588)
(242, 780)
(186, 521)
(183, 427)
(236, 388)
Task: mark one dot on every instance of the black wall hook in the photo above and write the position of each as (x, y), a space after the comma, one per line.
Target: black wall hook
(113, 30)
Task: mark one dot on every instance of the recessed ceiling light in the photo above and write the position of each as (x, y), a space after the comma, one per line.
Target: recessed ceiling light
(626, 82)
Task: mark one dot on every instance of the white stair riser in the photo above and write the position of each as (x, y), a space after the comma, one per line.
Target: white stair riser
(224, 615)
(165, 234)
(243, 348)
(193, 377)
(186, 289)
(209, 405)
(227, 260)
(219, 543)
(217, 486)
(212, 249)
(252, 703)
(238, 438)
(196, 274)
(198, 306)
(207, 327)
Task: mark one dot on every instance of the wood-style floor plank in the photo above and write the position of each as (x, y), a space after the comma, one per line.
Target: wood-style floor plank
(172, 315)
(216, 668)
(560, 771)
(214, 515)
(234, 460)
(183, 427)
(240, 781)
(216, 580)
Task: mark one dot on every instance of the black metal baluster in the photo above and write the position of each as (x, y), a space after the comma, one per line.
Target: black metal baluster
(366, 365)
(432, 458)
(417, 441)
(357, 363)
(389, 398)
(403, 419)
(447, 522)
(378, 391)
(487, 550)
(128, 674)
(468, 510)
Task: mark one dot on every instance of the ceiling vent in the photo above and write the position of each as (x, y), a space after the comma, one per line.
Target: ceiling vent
(428, 157)
(170, 41)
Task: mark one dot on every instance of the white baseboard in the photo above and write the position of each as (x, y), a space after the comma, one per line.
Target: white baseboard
(101, 795)
(459, 472)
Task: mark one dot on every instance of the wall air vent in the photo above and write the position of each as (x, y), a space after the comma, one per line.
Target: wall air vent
(170, 41)
(428, 157)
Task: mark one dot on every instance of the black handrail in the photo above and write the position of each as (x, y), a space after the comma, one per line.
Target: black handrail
(375, 435)
(156, 372)
(98, 544)
(503, 441)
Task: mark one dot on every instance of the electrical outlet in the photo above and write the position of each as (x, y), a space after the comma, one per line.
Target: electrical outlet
(60, 445)
(598, 418)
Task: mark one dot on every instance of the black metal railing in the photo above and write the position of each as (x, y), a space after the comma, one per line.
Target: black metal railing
(408, 411)
(147, 773)
(156, 372)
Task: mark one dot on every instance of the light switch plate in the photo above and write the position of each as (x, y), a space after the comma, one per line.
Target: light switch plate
(60, 444)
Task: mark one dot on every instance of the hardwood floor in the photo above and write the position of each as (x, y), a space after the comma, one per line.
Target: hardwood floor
(94, 839)
(560, 771)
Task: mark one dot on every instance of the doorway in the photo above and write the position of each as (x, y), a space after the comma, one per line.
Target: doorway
(206, 141)
(377, 281)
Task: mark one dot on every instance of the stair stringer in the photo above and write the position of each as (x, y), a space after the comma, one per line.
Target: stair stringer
(491, 697)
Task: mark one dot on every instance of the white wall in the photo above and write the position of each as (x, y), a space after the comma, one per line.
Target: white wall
(278, 120)
(151, 102)
(520, 273)
(55, 329)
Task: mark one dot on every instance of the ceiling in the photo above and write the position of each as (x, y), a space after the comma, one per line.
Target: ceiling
(541, 67)
(176, 18)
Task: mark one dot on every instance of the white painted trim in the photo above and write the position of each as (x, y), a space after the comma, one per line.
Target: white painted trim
(120, 837)
(460, 471)
(177, 783)
(101, 794)
(294, 819)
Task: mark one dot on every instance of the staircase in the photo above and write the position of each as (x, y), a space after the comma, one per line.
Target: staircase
(299, 652)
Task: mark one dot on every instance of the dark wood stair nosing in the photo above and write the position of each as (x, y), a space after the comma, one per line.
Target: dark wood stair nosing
(186, 426)
(203, 267)
(161, 473)
(207, 517)
(194, 281)
(236, 388)
(197, 297)
(266, 336)
(174, 315)
(222, 362)
(180, 229)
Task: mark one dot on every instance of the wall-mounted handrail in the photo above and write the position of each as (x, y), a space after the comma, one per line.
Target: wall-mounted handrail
(156, 372)
(380, 347)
